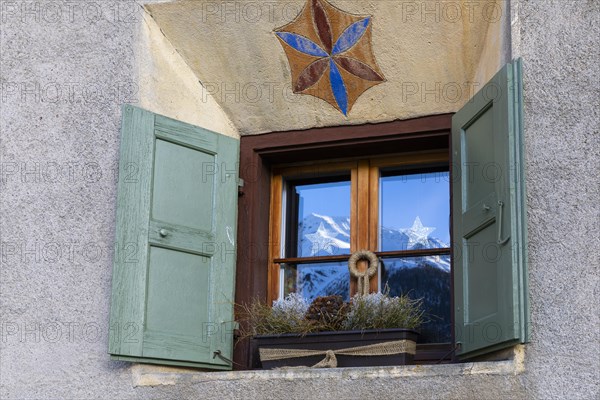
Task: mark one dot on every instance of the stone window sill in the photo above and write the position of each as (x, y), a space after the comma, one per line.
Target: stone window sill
(151, 375)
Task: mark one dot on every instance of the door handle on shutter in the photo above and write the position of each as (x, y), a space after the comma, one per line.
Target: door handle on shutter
(163, 233)
(500, 240)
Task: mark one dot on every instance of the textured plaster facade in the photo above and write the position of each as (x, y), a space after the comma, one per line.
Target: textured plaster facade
(429, 52)
(65, 69)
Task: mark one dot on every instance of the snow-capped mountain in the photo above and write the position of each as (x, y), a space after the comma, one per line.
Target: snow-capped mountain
(321, 235)
(420, 277)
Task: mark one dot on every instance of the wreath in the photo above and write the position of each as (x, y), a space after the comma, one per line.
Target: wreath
(363, 277)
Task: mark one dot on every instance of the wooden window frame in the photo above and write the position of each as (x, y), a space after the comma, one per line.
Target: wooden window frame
(278, 174)
(364, 206)
(258, 155)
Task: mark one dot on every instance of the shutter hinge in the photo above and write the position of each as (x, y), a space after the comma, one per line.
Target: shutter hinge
(217, 353)
(240, 187)
(457, 347)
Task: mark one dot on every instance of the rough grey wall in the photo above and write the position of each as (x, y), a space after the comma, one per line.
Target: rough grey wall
(63, 78)
(65, 69)
(559, 45)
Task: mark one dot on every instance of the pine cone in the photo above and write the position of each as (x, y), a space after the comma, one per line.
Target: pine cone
(327, 312)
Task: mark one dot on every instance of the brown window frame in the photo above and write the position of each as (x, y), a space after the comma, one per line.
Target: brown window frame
(364, 209)
(260, 153)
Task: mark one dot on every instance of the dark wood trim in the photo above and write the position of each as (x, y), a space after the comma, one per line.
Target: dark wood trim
(413, 253)
(453, 357)
(311, 260)
(253, 234)
(345, 257)
(425, 133)
(433, 353)
(259, 152)
(277, 141)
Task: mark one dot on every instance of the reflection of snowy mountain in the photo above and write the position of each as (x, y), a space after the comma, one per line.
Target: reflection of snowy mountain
(420, 278)
(324, 280)
(321, 235)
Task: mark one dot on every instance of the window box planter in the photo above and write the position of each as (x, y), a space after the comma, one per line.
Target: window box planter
(332, 349)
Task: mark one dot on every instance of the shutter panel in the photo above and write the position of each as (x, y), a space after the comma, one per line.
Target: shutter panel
(489, 223)
(174, 266)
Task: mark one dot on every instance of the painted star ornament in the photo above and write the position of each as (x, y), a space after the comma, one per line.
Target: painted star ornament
(417, 234)
(330, 54)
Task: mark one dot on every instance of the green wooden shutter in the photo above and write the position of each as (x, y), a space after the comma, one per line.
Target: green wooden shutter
(174, 266)
(489, 218)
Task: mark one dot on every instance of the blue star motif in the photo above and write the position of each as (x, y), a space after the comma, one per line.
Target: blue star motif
(331, 54)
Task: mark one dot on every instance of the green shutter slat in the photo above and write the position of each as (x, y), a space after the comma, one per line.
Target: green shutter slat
(520, 205)
(131, 246)
(489, 223)
(173, 273)
(187, 134)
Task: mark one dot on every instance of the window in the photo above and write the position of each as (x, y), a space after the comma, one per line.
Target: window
(315, 225)
(178, 257)
(321, 213)
(414, 236)
(489, 299)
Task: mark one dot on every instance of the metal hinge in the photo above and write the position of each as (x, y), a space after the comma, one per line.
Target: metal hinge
(217, 353)
(457, 347)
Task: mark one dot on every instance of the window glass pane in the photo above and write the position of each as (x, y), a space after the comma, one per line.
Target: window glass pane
(414, 211)
(312, 280)
(318, 219)
(427, 278)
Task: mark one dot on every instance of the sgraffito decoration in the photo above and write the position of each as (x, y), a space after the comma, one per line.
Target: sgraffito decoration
(330, 54)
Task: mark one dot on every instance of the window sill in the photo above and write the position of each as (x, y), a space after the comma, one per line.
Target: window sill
(149, 375)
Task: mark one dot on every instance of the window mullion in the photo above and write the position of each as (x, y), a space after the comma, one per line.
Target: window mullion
(361, 224)
(363, 205)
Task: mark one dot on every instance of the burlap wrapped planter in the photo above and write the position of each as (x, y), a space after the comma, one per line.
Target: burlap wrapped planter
(335, 349)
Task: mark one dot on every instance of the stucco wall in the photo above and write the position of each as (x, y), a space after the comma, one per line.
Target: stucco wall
(557, 40)
(65, 69)
(63, 78)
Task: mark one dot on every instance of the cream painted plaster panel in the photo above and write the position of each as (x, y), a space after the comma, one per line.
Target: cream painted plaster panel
(496, 48)
(430, 53)
(169, 87)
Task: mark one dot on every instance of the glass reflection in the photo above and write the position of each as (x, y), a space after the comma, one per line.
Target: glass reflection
(319, 219)
(414, 211)
(427, 278)
(313, 280)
